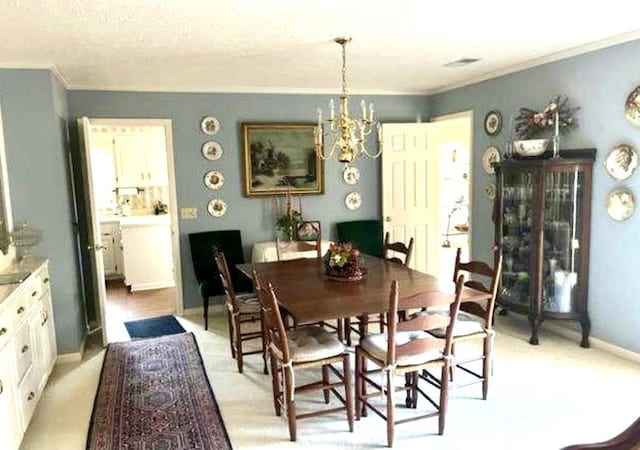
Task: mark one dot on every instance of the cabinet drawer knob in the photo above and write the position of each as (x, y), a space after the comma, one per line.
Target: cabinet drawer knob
(1, 387)
(46, 280)
(3, 330)
(34, 293)
(31, 396)
(25, 349)
(20, 310)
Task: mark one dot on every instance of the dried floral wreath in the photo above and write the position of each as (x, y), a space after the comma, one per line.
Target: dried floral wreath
(533, 124)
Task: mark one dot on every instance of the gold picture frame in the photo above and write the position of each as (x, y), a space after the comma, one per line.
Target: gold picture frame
(280, 157)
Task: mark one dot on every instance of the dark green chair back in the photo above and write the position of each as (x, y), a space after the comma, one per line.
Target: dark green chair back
(204, 264)
(366, 235)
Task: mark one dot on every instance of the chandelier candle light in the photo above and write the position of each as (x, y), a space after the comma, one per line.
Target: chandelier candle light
(349, 133)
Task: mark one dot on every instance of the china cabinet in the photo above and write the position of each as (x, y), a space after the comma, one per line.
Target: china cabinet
(542, 216)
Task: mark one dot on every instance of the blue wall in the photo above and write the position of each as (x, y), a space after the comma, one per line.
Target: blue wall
(34, 106)
(253, 216)
(599, 82)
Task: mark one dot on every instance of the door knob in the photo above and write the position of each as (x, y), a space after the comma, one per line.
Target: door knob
(97, 247)
(388, 218)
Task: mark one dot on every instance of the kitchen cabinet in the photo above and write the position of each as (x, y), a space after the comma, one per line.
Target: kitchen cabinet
(141, 159)
(10, 426)
(543, 209)
(147, 252)
(27, 348)
(103, 168)
(112, 255)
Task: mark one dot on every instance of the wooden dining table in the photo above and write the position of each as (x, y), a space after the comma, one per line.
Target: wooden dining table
(309, 296)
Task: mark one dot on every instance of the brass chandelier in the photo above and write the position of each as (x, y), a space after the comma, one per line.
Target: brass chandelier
(349, 133)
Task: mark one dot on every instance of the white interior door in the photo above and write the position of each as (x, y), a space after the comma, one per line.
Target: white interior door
(412, 180)
(95, 245)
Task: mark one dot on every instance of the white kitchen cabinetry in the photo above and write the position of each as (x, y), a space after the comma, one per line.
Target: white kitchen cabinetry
(10, 426)
(147, 252)
(27, 348)
(141, 159)
(103, 168)
(112, 254)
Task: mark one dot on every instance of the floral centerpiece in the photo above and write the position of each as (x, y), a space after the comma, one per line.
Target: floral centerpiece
(531, 124)
(342, 262)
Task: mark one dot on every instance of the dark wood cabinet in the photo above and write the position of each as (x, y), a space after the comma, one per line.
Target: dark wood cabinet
(542, 216)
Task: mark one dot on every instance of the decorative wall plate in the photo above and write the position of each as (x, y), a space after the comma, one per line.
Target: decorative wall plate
(353, 200)
(620, 204)
(490, 191)
(217, 207)
(351, 175)
(210, 125)
(621, 161)
(491, 154)
(213, 179)
(632, 107)
(212, 150)
(493, 123)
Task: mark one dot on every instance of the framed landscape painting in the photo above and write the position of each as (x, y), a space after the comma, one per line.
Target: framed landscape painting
(280, 157)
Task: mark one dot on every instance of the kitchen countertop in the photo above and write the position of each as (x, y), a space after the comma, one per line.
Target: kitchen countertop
(137, 221)
(29, 264)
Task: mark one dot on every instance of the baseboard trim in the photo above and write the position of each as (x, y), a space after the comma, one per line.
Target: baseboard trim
(65, 358)
(199, 310)
(593, 341)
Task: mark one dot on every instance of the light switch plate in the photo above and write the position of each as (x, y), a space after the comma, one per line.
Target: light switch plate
(189, 213)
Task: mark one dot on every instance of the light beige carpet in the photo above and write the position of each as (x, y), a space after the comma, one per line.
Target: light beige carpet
(541, 397)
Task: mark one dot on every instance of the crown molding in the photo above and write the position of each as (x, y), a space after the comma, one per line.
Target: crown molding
(576, 51)
(31, 66)
(240, 90)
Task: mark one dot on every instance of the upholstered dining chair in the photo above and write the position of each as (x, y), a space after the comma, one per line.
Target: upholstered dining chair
(202, 245)
(475, 321)
(407, 349)
(241, 311)
(391, 251)
(305, 347)
(365, 235)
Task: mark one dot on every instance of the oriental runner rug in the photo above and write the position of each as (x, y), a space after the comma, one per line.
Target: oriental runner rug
(154, 394)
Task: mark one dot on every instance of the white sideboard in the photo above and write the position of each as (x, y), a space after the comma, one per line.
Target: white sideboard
(27, 346)
(266, 251)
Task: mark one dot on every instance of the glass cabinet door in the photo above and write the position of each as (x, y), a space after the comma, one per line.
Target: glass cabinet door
(562, 235)
(517, 217)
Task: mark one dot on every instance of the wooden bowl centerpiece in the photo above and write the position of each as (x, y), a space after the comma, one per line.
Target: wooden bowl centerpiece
(342, 263)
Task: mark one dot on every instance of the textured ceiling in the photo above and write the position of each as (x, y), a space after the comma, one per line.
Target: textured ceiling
(287, 45)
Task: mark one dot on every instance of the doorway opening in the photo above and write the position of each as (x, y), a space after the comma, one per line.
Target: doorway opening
(133, 215)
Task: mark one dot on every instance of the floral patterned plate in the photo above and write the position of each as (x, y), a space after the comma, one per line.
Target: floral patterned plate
(632, 107)
(621, 161)
(351, 175)
(210, 125)
(353, 200)
(217, 207)
(213, 179)
(211, 150)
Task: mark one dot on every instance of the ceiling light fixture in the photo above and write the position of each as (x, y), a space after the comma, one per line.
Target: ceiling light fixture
(349, 133)
(461, 62)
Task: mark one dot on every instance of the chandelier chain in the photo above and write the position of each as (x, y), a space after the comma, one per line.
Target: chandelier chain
(344, 69)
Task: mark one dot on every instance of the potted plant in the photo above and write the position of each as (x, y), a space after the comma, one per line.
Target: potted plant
(289, 220)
